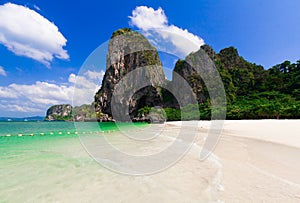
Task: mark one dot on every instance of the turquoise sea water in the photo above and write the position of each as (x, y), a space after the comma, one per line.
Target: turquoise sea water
(50, 128)
(38, 159)
(46, 162)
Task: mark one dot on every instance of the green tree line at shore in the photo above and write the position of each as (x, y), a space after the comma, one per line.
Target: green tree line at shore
(266, 105)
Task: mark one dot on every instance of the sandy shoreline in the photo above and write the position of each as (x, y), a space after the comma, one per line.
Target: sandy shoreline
(260, 158)
(254, 161)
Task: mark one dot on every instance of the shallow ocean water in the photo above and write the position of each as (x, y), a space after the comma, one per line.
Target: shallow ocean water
(53, 166)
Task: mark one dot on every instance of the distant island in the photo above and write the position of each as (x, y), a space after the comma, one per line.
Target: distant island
(252, 92)
(65, 112)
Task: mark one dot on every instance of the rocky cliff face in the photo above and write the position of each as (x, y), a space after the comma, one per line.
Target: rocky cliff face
(210, 52)
(133, 74)
(189, 69)
(59, 112)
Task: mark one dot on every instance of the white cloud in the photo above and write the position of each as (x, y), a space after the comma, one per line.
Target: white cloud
(2, 71)
(41, 92)
(147, 18)
(95, 75)
(26, 33)
(89, 80)
(36, 7)
(86, 85)
(20, 108)
(154, 24)
(6, 92)
(82, 82)
(37, 97)
(72, 78)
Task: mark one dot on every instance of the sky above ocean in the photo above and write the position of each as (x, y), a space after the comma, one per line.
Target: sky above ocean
(44, 44)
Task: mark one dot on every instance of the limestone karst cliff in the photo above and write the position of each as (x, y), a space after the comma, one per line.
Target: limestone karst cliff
(59, 112)
(132, 78)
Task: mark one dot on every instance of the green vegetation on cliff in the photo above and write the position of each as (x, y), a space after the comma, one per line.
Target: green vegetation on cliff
(121, 32)
(252, 91)
(256, 93)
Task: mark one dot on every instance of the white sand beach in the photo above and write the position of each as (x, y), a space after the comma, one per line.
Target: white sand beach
(260, 159)
(254, 161)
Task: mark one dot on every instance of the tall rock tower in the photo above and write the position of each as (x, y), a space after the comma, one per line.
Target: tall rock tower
(132, 78)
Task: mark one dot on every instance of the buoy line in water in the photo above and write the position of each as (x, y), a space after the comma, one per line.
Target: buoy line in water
(59, 133)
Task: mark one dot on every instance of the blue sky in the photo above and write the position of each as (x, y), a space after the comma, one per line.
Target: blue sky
(44, 72)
